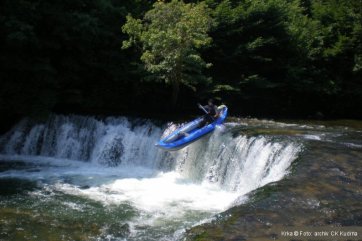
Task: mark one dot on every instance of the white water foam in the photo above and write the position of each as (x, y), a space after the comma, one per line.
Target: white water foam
(165, 192)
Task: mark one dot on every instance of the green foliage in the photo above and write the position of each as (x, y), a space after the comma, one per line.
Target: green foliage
(170, 35)
(252, 46)
(62, 55)
(287, 56)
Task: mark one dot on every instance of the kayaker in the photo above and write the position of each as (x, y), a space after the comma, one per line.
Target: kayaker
(211, 112)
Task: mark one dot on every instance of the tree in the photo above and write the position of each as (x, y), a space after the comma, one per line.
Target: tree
(170, 35)
(252, 48)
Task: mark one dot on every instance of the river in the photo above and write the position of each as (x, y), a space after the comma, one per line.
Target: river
(86, 178)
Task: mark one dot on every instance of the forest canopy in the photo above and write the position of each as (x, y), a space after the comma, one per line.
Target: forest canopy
(268, 58)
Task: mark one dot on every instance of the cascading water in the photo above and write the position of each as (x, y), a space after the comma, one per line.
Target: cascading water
(115, 161)
(111, 142)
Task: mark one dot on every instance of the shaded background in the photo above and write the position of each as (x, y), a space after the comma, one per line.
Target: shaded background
(271, 58)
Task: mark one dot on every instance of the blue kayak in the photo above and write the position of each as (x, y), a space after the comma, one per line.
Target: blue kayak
(191, 132)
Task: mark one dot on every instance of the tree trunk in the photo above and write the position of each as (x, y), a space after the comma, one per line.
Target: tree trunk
(175, 92)
(177, 77)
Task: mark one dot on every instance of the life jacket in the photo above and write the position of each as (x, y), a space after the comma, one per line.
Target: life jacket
(212, 110)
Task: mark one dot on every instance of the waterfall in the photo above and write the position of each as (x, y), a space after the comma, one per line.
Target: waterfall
(236, 163)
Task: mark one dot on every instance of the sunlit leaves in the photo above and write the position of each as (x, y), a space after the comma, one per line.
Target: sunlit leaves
(170, 35)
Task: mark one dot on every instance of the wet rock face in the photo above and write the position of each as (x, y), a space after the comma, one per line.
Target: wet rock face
(116, 232)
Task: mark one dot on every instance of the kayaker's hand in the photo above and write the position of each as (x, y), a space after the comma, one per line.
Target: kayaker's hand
(199, 105)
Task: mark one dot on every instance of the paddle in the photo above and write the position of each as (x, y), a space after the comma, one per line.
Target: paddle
(203, 109)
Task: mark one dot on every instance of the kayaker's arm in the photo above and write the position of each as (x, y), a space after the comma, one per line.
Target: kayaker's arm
(217, 112)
